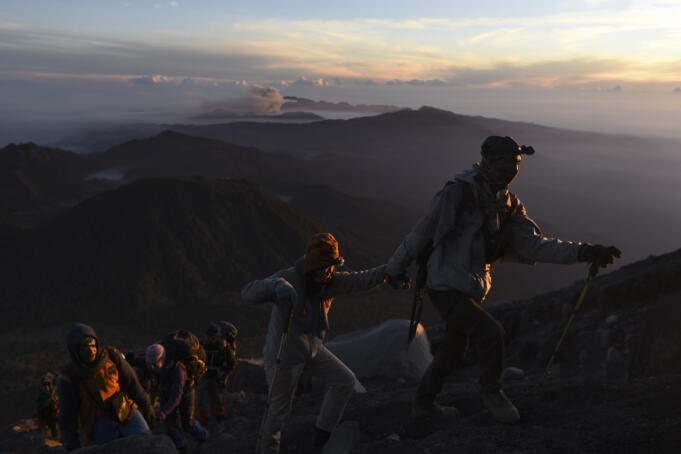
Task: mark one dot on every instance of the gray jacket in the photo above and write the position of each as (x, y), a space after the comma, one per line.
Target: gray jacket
(306, 332)
(458, 261)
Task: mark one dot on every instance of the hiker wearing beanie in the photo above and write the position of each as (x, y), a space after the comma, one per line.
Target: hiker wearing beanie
(307, 289)
(176, 399)
(474, 221)
(99, 392)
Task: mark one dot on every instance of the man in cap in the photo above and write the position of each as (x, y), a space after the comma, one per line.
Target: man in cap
(306, 290)
(472, 222)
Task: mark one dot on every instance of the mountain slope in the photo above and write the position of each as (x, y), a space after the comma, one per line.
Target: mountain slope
(152, 246)
(32, 176)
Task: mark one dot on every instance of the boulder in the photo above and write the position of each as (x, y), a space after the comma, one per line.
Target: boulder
(382, 350)
(139, 444)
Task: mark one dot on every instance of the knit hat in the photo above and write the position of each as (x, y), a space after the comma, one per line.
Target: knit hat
(154, 353)
(321, 251)
(495, 146)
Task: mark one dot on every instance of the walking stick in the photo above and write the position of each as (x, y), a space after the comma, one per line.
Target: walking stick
(593, 270)
(416, 309)
(282, 347)
(419, 284)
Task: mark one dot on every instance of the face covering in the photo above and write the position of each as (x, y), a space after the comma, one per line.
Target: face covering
(500, 171)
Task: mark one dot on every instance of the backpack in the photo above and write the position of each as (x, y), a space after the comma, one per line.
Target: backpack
(228, 331)
(221, 352)
(183, 346)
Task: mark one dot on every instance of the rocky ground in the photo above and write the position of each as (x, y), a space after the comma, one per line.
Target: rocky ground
(566, 416)
(615, 386)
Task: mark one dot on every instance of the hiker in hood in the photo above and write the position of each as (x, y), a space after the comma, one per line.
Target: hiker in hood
(220, 347)
(99, 392)
(305, 291)
(176, 398)
(472, 222)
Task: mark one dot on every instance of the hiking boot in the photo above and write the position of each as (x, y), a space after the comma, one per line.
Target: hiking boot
(500, 407)
(320, 437)
(434, 411)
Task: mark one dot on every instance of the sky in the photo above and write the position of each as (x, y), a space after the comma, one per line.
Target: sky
(611, 66)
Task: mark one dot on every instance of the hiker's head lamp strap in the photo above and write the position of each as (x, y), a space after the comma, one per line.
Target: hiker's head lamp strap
(503, 146)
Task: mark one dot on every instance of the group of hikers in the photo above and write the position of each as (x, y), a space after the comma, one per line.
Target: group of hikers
(473, 221)
(105, 394)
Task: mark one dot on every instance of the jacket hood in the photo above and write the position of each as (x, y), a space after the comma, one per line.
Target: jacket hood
(467, 175)
(299, 267)
(76, 332)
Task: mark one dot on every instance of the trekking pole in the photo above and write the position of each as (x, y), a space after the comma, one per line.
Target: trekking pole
(282, 347)
(416, 309)
(419, 284)
(593, 270)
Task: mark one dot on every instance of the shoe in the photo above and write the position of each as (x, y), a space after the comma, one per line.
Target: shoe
(434, 411)
(500, 407)
(320, 437)
(199, 432)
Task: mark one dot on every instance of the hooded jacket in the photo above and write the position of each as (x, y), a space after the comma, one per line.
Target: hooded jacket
(456, 231)
(306, 332)
(77, 404)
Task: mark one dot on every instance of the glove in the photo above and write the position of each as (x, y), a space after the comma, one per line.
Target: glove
(287, 294)
(400, 281)
(598, 255)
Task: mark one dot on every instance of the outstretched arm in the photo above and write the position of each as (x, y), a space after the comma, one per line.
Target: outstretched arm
(357, 281)
(527, 240)
(261, 291)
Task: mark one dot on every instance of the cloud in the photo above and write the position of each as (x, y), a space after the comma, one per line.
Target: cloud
(153, 80)
(303, 81)
(174, 4)
(418, 82)
(547, 74)
(368, 82)
(258, 100)
(677, 90)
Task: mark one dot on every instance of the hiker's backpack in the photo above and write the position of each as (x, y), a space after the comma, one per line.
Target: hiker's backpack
(183, 346)
(221, 350)
(227, 331)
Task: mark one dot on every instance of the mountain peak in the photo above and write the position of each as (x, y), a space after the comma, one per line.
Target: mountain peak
(434, 110)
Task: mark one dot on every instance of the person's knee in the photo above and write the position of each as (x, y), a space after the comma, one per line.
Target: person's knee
(349, 380)
(346, 382)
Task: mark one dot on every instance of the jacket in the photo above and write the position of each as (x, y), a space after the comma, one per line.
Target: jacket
(171, 382)
(306, 332)
(459, 259)
(85, 390)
